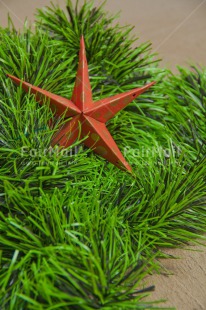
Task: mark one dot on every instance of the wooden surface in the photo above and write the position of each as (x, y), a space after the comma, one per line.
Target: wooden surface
(177, 29)
(185, 286)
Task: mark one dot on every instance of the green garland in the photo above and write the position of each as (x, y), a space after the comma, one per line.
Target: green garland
(76, 232)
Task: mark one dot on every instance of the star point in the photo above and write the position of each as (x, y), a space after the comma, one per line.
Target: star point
(91, 115)
(82, 93)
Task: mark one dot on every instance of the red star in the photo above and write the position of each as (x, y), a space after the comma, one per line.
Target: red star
(91, 115)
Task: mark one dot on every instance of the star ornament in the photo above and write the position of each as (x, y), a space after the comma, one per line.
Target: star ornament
(86, 117)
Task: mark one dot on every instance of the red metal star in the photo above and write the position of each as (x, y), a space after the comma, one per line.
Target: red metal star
(91, 115)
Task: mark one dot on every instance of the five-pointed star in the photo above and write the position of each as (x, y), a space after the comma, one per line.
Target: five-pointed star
(91, 115)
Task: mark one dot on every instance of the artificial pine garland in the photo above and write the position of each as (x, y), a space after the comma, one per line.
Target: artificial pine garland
(75, 231)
